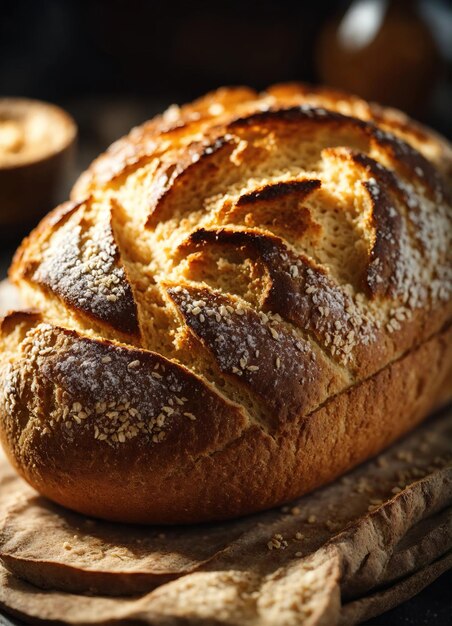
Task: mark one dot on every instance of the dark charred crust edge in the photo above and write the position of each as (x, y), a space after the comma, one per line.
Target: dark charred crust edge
(262, 243)
(302, 188)
(412, 161)
(294, 114)
(21, 268)
(385, 251)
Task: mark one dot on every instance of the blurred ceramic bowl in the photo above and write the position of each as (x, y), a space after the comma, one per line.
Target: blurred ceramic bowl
(36, 148)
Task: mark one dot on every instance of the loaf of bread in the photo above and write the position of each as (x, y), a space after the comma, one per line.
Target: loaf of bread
(244, 298)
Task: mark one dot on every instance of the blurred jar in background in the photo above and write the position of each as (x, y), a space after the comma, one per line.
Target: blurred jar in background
(381, 50)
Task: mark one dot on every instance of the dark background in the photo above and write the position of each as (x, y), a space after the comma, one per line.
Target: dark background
(61, 50)
(114, 63)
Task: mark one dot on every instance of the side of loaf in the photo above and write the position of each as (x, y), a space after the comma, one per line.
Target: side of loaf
(243, 299)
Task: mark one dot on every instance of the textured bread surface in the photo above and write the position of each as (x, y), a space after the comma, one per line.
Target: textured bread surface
(244, 298)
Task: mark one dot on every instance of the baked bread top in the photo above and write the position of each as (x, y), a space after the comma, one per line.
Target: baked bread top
(233, 264)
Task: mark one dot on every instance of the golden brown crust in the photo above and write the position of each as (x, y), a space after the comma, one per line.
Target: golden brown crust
(79, 413)
(281, 257)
